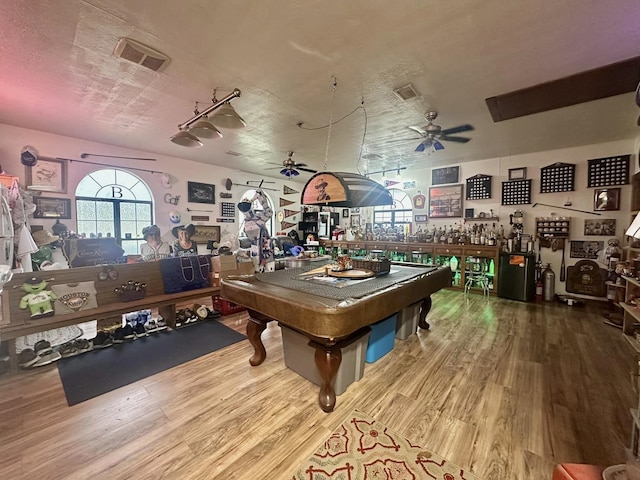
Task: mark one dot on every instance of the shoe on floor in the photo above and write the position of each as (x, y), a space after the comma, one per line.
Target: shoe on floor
(118, 335)
(129, 334)
(139, 330)
(161, 323)
(42, 347)
(47, 359)
(68, 350)
(26, 358)
(102, 340)
(82, 345)
(151, 326)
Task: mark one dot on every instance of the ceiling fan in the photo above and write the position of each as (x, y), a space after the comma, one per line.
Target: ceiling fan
(433, 133)
(291, 168)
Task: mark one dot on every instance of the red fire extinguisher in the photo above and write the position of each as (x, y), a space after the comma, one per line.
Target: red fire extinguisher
(539, 290)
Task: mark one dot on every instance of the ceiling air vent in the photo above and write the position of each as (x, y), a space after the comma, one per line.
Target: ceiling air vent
(138, 53)
(406, 93)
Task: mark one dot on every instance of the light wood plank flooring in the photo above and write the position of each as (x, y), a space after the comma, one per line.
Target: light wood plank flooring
(502, 388)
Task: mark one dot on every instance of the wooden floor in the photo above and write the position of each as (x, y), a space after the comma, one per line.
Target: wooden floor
(502, 388)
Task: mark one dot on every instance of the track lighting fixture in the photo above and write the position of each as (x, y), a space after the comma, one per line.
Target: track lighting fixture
(201, 126)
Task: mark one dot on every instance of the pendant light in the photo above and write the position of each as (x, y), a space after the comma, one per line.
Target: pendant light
(227, 117)
(185, 139)
(203, 128)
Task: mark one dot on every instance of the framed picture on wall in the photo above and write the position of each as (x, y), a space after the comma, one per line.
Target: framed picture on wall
(444, 175)
(201, 192)
(606, 199)
(48, 175)
(518, 173)
(206, 233)
(445, 201)
(49, 207)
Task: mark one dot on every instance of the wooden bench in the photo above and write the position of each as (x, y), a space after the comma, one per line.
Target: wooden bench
(17, 322)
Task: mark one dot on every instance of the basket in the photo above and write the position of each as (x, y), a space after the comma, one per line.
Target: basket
(382, 265)
(225, 307)
(131, 295)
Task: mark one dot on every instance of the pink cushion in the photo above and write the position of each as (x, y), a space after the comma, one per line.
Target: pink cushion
(577, 471)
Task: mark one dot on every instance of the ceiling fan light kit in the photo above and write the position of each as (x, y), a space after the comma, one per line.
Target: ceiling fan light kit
(203, 126)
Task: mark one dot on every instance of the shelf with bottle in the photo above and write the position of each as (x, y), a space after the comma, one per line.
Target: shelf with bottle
(453, 262)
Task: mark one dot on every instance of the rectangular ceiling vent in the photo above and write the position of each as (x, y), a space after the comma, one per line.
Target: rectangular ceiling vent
(140, 54)
(406, 93)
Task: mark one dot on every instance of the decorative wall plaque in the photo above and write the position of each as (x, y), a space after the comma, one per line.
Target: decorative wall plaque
(587, 278)
(516, 192)
(559, 177)
(479, 187)
(609, 171)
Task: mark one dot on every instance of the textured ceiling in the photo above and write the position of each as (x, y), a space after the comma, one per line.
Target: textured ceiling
(58, 74)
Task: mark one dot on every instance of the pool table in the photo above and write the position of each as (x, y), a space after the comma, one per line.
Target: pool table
(330, 315)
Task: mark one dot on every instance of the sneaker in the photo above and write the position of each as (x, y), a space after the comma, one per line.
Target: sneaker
(42, 347)
(118, 335)
(82, 345)
(129, 334)
(27, 357)
(68, 350)
(102, 340)
(47, 359)
(139, 330)
(151, 326)
(161, 323)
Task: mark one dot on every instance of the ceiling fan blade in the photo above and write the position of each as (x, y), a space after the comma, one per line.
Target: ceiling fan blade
(307, 170)
(296, 165)
(458, 129)
(437, 145)
(454, 139)
(419, 130)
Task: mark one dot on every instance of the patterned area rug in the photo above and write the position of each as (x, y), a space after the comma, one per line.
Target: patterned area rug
(363, 448)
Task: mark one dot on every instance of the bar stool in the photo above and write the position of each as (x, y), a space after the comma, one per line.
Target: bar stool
(476, 276)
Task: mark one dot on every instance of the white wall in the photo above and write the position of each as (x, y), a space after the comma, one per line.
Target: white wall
(13, 139)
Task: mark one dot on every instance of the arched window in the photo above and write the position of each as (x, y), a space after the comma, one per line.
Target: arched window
(400, 213)
(248, 195)
(114, 203)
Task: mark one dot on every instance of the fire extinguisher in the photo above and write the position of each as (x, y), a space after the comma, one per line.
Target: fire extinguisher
(539, 290)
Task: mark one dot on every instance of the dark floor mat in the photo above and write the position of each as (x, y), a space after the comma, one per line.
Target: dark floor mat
(93, 373)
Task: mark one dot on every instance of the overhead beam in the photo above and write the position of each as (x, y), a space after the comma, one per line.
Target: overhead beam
(602, 82)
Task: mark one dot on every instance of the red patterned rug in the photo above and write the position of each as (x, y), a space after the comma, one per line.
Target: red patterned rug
(363, 449)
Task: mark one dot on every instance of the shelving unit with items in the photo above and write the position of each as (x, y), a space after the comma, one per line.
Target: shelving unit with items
(631, 316)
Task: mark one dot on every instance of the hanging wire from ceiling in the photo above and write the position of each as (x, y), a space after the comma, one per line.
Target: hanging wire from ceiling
(300, 124)
(333, 94)
(364, 134)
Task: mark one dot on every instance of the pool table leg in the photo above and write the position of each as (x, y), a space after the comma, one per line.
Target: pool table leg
(328, 359)
(424, 311)
(255, 326)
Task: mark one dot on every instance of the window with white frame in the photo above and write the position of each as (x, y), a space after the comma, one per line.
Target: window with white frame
(114, 203)
(400, 213)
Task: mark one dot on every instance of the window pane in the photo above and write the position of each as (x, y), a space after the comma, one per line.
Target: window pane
(86, 227)
(125, 179)
(87, 187)
(131, 247)
(104, 211)
(85, 209)
(105, 228)
(127, 211)
(143, 213)
(141, 192)
(130, 228)
(115, 191)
